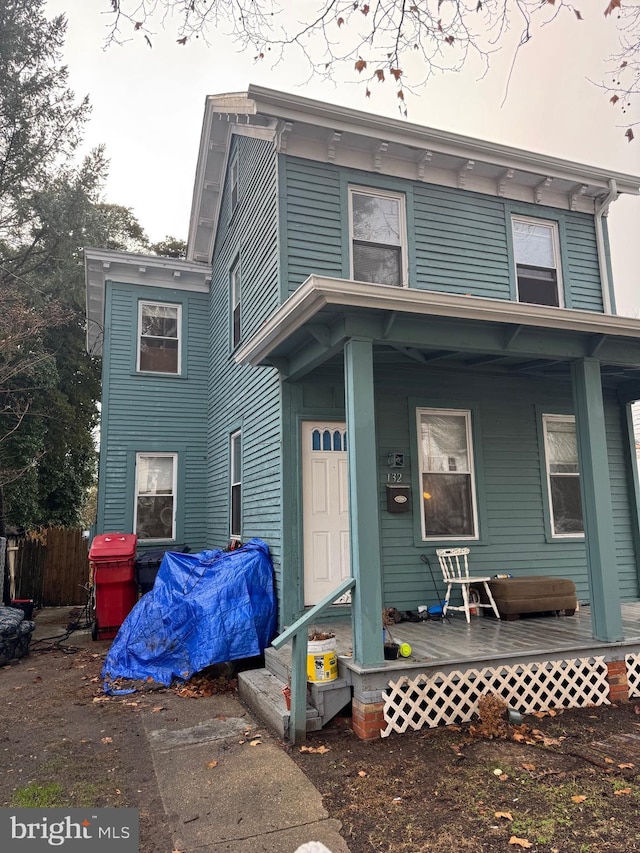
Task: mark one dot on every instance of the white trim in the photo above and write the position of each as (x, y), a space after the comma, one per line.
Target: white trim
(555, 242)
(318, 292)
(546, 419)
(156, 304)
(233, 438)
(466, 414)
(174, 492)
(356, 189)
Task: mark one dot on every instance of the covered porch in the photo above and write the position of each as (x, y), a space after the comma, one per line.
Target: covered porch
(375, 336)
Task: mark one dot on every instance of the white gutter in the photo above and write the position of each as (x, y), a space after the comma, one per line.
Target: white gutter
(318, 292)
(602, 209)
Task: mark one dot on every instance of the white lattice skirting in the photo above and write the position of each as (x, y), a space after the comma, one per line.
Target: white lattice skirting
(633, 675)
(445, 698)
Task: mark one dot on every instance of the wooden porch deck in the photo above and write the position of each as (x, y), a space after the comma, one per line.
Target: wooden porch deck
(448, 645)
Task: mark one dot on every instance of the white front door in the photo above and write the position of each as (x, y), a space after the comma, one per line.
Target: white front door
(325, 510)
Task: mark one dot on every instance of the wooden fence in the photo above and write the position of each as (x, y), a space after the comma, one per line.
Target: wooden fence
(54, 574)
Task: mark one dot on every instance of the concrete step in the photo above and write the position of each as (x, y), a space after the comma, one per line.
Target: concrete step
(262, 691)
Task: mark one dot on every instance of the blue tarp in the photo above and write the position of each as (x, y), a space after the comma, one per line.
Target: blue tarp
(203, 609)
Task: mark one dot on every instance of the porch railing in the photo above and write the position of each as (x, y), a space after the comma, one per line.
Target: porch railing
(297, 634)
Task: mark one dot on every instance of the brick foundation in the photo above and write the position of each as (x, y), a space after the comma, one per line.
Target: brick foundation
(617, 679)
(367, 719)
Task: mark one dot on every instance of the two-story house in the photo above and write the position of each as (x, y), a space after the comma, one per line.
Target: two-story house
(385, 339)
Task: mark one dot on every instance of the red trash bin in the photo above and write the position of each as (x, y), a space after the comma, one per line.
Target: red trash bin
(111, 559)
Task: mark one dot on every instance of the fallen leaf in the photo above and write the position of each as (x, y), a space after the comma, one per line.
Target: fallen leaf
(579, 798)
(362, 772)
(503, 815)
(503, 778)
(316, 749)
(212, 764)
(256, 742)
(609, 761)
(158, 708)
(626, 766)
(621, 791)
(530, 767)
(118, 791)
(520, 842)
(106, 740)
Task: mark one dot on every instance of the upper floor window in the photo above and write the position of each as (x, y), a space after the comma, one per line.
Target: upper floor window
(378, 236)
(235, 286)
(234, 180)
(563, 475)
(235, 477)
(446, 474)
(155, 501)
(159, 337)
(537, 257)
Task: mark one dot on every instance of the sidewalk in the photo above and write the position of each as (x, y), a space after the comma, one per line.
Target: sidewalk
(225, 783)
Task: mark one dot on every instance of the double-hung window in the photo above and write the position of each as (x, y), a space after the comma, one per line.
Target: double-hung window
(235, 296)
(378, 236)
(159, 349)
(537, 257)
(155, 500)
(563, 475)
(235, 477)
(446, 474)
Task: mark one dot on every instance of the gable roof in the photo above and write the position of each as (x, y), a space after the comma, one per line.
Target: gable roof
(328, 133)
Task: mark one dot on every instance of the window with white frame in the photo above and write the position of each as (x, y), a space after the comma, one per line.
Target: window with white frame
(155, 499)
(159, 326)
(235, 289)
(378, 236)
(234, 181)
(446, 474)
(563, 475)
(235, 476)
(537, 257)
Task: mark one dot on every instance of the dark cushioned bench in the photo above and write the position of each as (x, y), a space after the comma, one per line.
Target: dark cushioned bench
(536, 594)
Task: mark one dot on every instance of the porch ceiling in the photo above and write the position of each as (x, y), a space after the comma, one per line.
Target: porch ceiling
(471, 333)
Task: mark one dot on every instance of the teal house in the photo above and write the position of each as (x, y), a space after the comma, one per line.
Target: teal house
(385, 340)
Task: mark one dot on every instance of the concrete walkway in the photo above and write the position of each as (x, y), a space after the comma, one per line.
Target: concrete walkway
(226, 784)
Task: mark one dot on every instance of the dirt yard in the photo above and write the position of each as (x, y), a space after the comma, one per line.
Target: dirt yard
(560, 784)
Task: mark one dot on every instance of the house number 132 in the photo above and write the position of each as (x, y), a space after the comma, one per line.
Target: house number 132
(394, 477)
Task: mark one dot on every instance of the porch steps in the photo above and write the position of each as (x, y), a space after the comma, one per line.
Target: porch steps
(261, 689)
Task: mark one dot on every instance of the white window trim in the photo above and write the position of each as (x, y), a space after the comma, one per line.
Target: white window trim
(472, 471)
(235, 278)
(174, 486)
(234, 435)
(547, 456)
(141, 304)
(404, 250)
(234, 183)
(547, 223)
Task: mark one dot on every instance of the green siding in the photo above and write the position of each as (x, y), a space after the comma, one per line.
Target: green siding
(143, 412)
(243, 397)
(510, 477)
(459, 241)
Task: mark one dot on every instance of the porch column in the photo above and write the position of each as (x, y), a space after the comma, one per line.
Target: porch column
(597, 509)
(364, 521)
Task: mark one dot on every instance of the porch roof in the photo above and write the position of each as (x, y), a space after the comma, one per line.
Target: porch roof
(312, 325)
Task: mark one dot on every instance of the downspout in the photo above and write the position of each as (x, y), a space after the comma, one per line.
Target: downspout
(602, 209)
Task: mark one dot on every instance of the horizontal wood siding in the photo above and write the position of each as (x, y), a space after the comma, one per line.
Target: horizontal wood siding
(510, 482)
(243, 397)
(144, 412)
(458, 240)
(315, 222)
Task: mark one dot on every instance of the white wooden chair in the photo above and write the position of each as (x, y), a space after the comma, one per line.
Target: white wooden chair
(455, 572)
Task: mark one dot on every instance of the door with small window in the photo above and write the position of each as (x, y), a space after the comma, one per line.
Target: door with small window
(325, 508)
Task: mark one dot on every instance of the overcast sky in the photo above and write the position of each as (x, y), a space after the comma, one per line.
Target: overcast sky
(148, 106)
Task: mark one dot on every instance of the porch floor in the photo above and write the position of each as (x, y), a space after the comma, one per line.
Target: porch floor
(444, 644)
